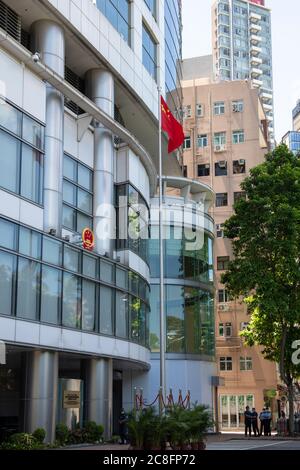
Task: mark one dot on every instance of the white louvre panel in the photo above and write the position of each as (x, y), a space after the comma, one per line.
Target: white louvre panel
(10, 21)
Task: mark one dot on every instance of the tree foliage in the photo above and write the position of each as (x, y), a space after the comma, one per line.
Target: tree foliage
(265, 271)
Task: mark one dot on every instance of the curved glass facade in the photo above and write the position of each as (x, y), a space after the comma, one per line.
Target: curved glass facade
(45, 279)
(173, 54)
(189, 295)
(180, 262)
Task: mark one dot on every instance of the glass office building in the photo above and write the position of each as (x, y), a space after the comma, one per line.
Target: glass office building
(74, 156)
(242, 47)
(292, 141)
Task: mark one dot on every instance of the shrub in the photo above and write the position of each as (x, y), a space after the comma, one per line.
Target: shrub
(39, 434)
(21, 441)
(93, 431)
(62, 434)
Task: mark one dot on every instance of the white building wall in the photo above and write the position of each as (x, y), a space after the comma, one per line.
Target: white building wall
(88, 20)
(181, 374)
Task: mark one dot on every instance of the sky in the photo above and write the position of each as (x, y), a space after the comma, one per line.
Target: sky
(286, 50)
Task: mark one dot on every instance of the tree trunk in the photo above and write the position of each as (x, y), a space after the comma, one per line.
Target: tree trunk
(291, 408)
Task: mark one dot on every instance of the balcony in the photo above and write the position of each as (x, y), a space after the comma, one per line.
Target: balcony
(257, 83)
(270, 119)
(254, 39)
(266, 97)
(255, 28)
(254, 50)
(256, 72)
(254, 18)
(268, 107)
(255, 61)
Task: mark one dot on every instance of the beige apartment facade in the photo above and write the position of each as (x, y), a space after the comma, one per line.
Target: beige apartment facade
(226, 134)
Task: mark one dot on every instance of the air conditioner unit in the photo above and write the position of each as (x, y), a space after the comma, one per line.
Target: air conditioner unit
(219, 226)
(220, 148)
(242, 161)
(223, 307)
(207, 165)
(235, 108)
(222, 164)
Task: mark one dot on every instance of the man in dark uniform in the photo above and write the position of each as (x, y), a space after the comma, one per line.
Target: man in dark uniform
(123, 426)
(254, 417)
(248, 420)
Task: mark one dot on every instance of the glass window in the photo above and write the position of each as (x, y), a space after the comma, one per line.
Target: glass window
(220, 230)
(121, 314)
(219, 138)
(121, 278)
(238, 106)
(225, 363)
(50, 295)
(151, 4)
(88, 305)
(78, 202)
(134, 311)
(133, 283)
(33, 132)
(202, 140)
(221, 168)
(238, 137)
(7, 279)
(70, 168)
(246, 363)
(118, 14)
(69, 217)
(30, 243)
(9, 162)
(106, 311)
(8, 234)
(28, 289)
(187, 142)
(239, 195)
(221, 329)
(187, 111)
(106, 272)
(222, 263)
(221, 199)
(223, 295)
(52, 251)
(72, 259)
(174, 254)
(31, 174)
(71, 314)
(149, 52)
(219, 108)
(239, 166)
(175, 319)
(89, 266)
(85, 177)
(199, 110)
(10, 117)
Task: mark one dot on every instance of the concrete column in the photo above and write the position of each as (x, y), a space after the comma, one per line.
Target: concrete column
(41, 380)
(48, 40)
(100, 89)
(99, 391)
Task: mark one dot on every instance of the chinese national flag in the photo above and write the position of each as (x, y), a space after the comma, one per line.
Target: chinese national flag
(171, 126)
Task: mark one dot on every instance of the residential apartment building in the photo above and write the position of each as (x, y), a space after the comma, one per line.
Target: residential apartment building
(296, 117)
(292, 138)
(242, 47)
(225, 135)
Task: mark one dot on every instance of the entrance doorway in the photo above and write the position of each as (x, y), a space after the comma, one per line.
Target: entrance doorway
(232, 409)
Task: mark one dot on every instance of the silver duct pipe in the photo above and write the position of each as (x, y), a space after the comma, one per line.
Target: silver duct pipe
(48, 40)
(100, 89)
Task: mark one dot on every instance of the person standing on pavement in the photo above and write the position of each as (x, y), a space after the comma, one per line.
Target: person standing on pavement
(254, 416)
(268, 419)
(248, 420)
(262, 422)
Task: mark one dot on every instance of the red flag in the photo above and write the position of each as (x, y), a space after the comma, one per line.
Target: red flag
(171, 126)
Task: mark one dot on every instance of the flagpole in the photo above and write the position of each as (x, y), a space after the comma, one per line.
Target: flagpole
(161, 262)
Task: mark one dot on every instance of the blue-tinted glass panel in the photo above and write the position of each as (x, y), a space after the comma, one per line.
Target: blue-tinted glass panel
(30, 243)
(71, 314)
(7, 279)
(9, 162)
(28, 289)
(8, 234)
(50, 295)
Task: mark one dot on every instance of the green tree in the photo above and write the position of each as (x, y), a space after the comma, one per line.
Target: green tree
(265, 271)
